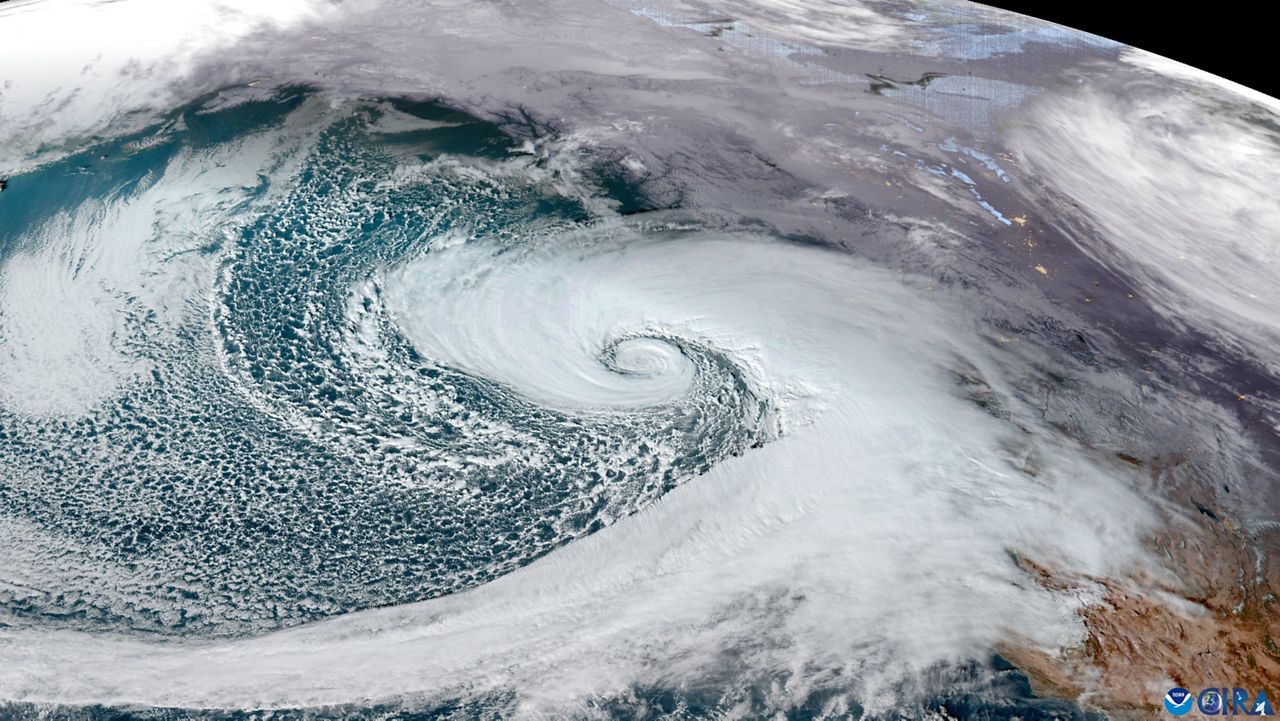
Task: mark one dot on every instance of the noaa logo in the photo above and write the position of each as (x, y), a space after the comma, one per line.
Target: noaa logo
(1178, 701)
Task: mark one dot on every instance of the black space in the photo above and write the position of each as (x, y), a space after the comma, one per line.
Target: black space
(1233, 40)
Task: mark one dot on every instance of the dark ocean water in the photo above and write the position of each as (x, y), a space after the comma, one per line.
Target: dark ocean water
(992, 691)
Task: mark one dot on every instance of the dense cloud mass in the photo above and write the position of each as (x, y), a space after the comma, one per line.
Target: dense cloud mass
(668, 359)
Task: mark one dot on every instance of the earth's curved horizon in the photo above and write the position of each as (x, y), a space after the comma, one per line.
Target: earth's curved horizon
(613, 359)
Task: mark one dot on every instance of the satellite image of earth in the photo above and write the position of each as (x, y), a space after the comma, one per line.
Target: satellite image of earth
(658, 359)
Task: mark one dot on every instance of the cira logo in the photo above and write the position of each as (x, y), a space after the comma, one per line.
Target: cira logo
(1218, 702)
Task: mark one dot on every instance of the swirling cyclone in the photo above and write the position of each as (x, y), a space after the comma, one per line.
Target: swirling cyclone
(680, 359)
(294, 454)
